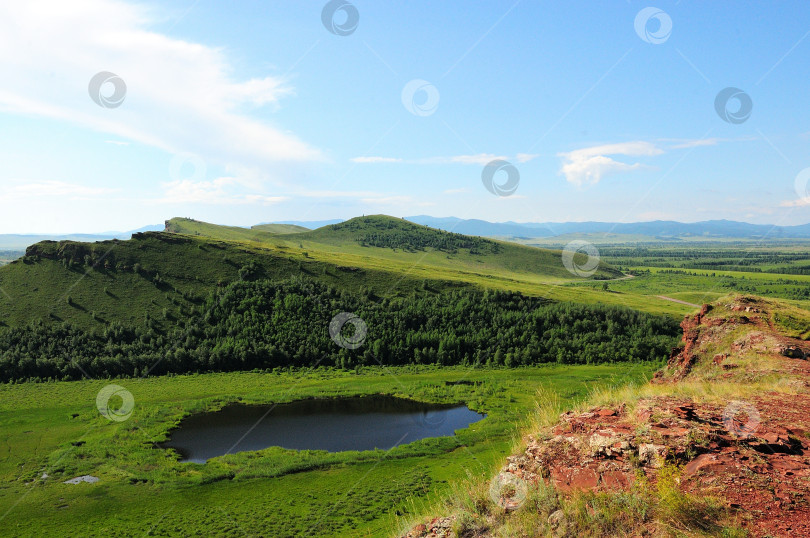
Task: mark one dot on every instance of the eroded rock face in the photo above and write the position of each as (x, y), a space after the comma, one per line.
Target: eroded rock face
(755, 455)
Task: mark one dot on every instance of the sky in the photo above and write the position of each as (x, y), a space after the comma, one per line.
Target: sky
(119, 114)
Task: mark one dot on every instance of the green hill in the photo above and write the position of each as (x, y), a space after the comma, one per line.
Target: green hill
(387, 243)
(279, 228)
(159, 275)
(164, 276)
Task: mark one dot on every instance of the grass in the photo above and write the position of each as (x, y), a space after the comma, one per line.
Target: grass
(274, 492)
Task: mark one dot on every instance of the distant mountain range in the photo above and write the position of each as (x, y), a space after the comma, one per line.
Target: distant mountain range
(663, 229)
(659, 229)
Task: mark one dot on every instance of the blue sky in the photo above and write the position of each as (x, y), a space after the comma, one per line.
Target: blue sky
(253, 111)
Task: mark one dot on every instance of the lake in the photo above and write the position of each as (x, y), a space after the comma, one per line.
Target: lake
(334, 425)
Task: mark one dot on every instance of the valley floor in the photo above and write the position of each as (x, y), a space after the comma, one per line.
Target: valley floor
(53, 432)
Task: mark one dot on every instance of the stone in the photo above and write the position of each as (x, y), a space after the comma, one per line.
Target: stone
(705, 463)
(614, 480)
(601, 444)
(651, 455)
(584, 479)
(85, 478)
(556, 519)
(685, 412)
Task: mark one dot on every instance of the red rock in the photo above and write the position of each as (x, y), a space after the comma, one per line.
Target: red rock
(670, 431)
(704, 462)
(615, 480)
(606, 412)
(584, 479)
(685, 412)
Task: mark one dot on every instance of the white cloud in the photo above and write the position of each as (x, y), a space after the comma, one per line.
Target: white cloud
(366, 160)
(220, 191)
(590, 165)
(181, 96)
(799, 202)
(683, 144)
(479, 159)
(525, 157)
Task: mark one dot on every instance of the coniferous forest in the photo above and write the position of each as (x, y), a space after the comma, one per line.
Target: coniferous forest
(265, 325)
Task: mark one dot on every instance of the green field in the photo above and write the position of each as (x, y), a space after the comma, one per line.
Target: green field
(56, 429)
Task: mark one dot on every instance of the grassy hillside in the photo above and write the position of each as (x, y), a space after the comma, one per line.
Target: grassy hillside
(398, 240)
(92, 284)
(279, 228)
(394, 244)
(164, 275)
(179, 225)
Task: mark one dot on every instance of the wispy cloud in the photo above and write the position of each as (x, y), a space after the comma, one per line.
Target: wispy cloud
(182, 96)
(589, 165)
(367, 160)
(686, 143)
(479, 159)
(799, 202)
(220, 191)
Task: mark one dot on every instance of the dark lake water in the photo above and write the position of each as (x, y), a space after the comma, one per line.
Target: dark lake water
(362, 423)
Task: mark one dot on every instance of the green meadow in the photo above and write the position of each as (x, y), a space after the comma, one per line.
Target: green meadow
(52, 432)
